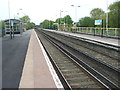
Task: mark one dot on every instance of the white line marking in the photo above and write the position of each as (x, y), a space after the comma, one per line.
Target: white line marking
(52, 71)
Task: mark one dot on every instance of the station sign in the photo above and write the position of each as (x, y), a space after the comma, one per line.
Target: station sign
(98, 22)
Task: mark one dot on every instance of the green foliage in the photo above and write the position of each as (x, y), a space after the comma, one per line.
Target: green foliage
(114, 15)
(41, 25)
(51, 24)
(104, 20)
(26, 21)
(115, 6)
(47, 24)
(86, 22)
(58, 20)
(2, 29)
(97, 13)
(30, 25)
(68, 20)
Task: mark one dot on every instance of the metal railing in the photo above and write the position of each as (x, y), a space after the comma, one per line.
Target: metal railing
(107, 32)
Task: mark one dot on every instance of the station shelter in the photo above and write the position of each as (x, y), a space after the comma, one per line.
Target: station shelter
(13, 25)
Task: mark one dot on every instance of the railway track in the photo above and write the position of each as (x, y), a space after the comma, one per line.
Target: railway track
(85, 67)
(103, 52)
(73, 74)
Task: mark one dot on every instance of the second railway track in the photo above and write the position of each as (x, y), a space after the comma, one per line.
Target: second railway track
(106, 54)
(79, 78)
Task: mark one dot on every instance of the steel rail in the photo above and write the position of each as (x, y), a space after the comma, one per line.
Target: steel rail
(66, 53)
(58, 71)
(102, 62)
(93, 42)
(107, 45)
(110, 83)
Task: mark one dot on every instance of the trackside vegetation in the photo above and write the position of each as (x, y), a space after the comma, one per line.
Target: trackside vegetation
(95, 14)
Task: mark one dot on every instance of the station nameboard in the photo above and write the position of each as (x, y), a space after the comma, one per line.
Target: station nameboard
(98, 22)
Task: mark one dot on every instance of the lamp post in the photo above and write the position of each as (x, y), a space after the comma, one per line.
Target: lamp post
(57, 23)
(75, 12)
(9, 19)
(50, 23)
(60, 20)
(24, 23)
(65, 21)
(18, 12)
(107, 18)
(16, 18)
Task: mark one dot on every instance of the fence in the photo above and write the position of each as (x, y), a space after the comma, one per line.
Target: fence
(107, 32)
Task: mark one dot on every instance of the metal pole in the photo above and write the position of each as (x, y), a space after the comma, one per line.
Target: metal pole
(107, 16)
(75, 14)
(18, 12)
(13, 30)
(9, 19)
(76, 17)
(49, 24)
(65, 21)
(107, 19)
(60, 19)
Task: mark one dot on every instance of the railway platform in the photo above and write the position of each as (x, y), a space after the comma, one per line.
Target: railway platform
(13, 56)
(91, 37)
(38, 71)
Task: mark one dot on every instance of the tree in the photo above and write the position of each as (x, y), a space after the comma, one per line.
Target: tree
(41, 25)
(51, 24)
(31, 25)
(48, 24)
(104, 20)
(68, 20)
(97, 13)
(25, 19)
(114, 15)
(58, 20)
(45, 24)
(27, 23)
(86, 22)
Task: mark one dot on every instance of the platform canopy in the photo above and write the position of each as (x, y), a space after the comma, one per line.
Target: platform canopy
(14, 25)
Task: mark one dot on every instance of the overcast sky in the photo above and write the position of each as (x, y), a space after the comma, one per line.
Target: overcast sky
(39, 10)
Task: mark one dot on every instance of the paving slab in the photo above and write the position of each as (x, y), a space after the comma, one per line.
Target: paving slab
(37, 72)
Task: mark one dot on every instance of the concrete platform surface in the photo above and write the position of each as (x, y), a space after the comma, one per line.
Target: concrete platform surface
(38, 71)
(13, 56)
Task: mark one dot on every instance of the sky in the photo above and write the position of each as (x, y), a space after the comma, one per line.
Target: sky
(39, 10)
